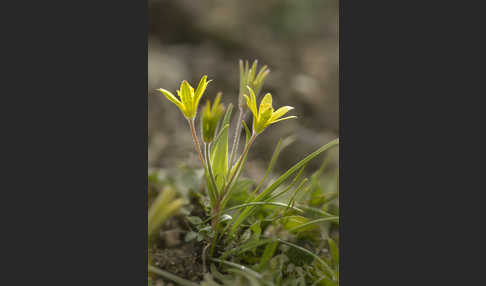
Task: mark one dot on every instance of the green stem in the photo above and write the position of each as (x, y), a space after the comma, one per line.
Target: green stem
(215, 187)
(245, 151)
(210, 169)
(196, 141)
(236, 140)
(213, 245)
(238, 166)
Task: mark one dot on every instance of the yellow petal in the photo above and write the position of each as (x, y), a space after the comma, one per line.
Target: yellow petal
(207, 108)
(263, 120)
(265, 115)
(172, 98)
(185, 93)
(201, 87)
(251, 75)
(280, 112)
(281, 119)
(216, 102)
(261, 75)
(265, 104)
(251, 102)
(267, 100)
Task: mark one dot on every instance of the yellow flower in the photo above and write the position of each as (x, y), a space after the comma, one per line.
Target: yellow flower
(265, 115)
(189, 100)
(210, 118)
(249, 77)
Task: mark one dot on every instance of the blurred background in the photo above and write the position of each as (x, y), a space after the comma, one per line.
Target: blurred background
(297, 39)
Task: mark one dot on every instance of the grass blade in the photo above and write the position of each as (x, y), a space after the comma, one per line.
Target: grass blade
(267, 254)
(282, 178)
(279, 181)
(250, 278)
(294, 181)
(292, 199)
(334, 249)
(171, 276)
(332, 218)
(238, 266)
(315, 210)
(278, 204)
(162, 208)
(270, 165)
(227, 115)
(247, 247)
(263, 203)
(328, 268)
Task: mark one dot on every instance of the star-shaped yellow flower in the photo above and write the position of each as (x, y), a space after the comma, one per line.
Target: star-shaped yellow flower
(265, 115)
(189, 100)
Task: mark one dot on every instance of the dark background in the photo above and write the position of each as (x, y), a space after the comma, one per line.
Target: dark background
(74, 142)
(298, 40)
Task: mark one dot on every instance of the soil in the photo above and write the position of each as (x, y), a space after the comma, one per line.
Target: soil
(171, 253)
(183, 261)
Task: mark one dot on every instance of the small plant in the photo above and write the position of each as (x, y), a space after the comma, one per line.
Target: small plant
(235, 213)
(164, 206)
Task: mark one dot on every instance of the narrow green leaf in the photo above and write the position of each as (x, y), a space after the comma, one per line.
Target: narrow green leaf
(238, 266)
(310, 253)
(279, 181)
(171, 276)
(294, 181)
(217, 139)
(333, 248)
(219, 156)
(257, 230)
(301, 185)
(253, 281)
(293, 221)
(216, 273)
(305, 225)
(233, 168)
(315, 210)
(247, 131)
(162, 208)
(250, 245)
(227, 115)
(330, 197)
(267, 254)
(211, 191)
(251, 75)
(282, 178)
(278, 204)
(275, 154)
(326, 282)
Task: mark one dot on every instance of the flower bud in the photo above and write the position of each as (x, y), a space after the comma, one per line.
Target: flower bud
(210, 118)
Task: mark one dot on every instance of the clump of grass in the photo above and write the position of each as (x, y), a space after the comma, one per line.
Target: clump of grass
(261, 235)
(164, 206)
